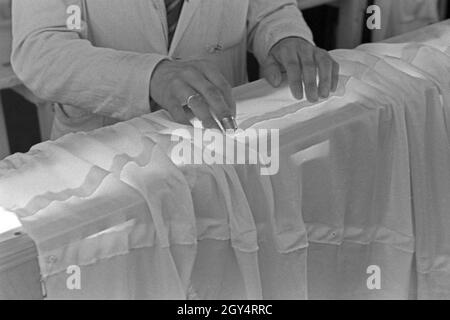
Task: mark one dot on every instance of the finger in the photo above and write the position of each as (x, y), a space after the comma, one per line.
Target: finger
(325, 66)
(202, 111)
(215, 77)
(334, 76)
(181, 92)
(271, 71)
(309, 74)
(212, 94)
(291, 64)
(198, 108)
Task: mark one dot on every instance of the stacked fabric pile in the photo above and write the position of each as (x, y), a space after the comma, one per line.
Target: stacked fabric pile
(364, 182)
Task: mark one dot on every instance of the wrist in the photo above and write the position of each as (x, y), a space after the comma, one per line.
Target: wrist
(155, 80)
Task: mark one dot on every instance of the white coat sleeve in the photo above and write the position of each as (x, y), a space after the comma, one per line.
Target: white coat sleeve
(270, 21)
(61, 65)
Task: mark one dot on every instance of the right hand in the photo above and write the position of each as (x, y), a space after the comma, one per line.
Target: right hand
(173, 82)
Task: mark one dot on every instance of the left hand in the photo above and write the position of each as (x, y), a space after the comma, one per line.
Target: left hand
(302, 61)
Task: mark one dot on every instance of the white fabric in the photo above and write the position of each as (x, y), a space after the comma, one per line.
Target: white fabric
(364, 180)
(430, 158)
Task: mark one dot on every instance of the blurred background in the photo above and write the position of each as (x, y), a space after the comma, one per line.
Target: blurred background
(25, 120)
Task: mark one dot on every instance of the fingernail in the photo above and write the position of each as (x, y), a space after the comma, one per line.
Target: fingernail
(315, 95)
(276, 79)
(313, 98)
(297, 93)
(229, 123)
(324, 94)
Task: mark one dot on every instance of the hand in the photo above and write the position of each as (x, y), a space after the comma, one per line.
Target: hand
(302, 61)
(173, 82)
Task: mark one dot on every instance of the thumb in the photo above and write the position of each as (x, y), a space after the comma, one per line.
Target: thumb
(271, 70)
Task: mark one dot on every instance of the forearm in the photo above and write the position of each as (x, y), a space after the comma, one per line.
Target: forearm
(59, 65)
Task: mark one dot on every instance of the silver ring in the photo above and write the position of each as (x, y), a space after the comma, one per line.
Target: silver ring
(189, 99)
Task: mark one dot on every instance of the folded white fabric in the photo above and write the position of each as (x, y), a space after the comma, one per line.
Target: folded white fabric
(428, 132)
(222, 217)
(75, 224)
